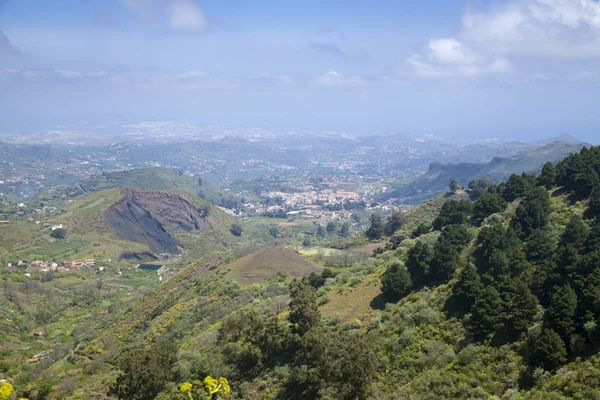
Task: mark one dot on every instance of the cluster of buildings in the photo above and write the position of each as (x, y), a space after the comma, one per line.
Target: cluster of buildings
(312, 197)
(38, 266)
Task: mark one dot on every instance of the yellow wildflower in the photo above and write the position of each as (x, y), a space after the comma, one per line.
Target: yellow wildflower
(5, 390)
(211, 384)
(185, 388)
(225, 385)
(216, 386)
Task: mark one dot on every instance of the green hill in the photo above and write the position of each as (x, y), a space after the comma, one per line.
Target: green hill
(436, 179)
(153, 178)
(108, 223)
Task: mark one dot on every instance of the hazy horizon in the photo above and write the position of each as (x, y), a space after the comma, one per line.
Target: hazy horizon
(524, 70)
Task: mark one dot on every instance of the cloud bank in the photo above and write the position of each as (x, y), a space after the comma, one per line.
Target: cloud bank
(490, 39)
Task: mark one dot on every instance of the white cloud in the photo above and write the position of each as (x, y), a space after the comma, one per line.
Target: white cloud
(537, 28)
(186, 16)
(490, 37)
(333, 78)
(177, 15)
(450, 57)
(451, 51)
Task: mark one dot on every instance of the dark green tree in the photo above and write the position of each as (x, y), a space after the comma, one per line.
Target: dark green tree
(486, 205)
(421, 230)
(595, 200)
(345, 230)
(571, 248)
(395, 280)
(488, 315)
(236, 229)
(393, 223)
(317, 281)
(304, 312)
(376, 228)
(521, 308)
(517, 186)
(331, 227)
(540, 246)
(532, 213)
(252, 340)
(321, 231)
(144, 372)
(453, 212)
(417, 263)
(466, 290)
(479, 187)
(560, 313)
(499, 253)
(548, 176)
(58, 233)
(334, 365)
(446, 252)
(588, 308)
(548, 350)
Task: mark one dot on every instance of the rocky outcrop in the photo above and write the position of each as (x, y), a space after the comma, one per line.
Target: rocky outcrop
(149, 217)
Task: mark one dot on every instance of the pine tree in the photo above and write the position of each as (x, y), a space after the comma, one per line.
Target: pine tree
(446, 253)
(395, 280)
(453, 212)
(345, 230)
(466, 290)
(588, 308)
(393, 223)
(376, 228)
(486, 205)
(417, 263)
(569, 252)
(560, 314)
(548, 177)
(516, 187)
(488, 315)
(549, 351)
(479, 187)
(540, 246)
(532, 213)
(595, 200)
(521, 308)
(304, 313)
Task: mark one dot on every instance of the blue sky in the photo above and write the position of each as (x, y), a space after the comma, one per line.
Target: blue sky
(524, 69)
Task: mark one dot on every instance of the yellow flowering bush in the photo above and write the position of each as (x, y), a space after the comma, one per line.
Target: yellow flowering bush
(212, 385)
(5, 390)
(215, 386)
(186, 388)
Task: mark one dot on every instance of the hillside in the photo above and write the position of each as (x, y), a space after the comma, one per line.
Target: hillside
(152, 178)
(108, 223)
(269, 263)
(497, 298)
(149, 217)
(436, 179)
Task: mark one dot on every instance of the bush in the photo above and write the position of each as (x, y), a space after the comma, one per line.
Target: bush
(58, 233)
(236, 229)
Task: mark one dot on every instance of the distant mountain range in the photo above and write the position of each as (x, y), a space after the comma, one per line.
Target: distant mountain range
(438, 176)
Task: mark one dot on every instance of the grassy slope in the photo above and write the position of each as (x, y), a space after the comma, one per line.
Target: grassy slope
(265, 264)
